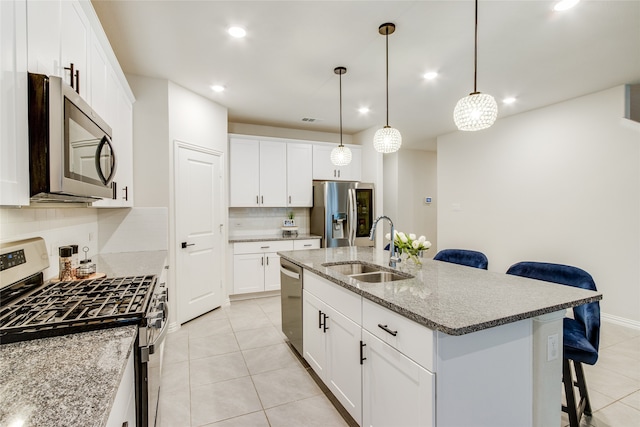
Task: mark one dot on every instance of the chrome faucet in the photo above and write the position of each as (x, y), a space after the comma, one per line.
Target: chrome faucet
(393, 257)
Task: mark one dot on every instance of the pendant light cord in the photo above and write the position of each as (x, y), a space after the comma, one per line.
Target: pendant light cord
(340, 109)
(387, 40)
(475, 54)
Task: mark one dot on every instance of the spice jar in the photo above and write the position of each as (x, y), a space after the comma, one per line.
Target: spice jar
(74, 260)
(65, 253)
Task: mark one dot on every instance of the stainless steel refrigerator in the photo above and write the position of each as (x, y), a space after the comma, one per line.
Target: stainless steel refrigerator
(342, 213)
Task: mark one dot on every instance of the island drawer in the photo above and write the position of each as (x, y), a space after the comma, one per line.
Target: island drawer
(408, 337)
(306, 244)
(261, 247)
(341, 299)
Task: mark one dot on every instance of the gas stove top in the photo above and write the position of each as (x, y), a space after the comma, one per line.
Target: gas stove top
(30, 308)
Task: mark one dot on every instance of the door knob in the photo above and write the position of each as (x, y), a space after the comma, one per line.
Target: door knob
(185, 244)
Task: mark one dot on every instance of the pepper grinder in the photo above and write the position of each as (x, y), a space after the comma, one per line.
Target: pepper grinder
(65, 253)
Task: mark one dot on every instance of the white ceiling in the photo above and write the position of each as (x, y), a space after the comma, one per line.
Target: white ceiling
(283, 70)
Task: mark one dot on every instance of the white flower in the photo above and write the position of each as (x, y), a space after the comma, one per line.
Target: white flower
(421, 239)
(387, 236)
(403, 237)
(415, 244)
(426, 244)
(412, 236)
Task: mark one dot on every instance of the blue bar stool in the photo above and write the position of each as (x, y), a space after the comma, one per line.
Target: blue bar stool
(463, 257)
(581, 335)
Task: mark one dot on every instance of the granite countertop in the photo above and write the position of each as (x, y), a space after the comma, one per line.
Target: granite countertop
(72, 380)
(69, 380)
(447, 297)
(271, 237)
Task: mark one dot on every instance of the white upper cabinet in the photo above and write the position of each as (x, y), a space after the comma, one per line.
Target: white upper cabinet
(273, 174)
(299, 174)
(14, 145)
(44, 37)
(258, 173)
(74, 47)
(324, 170)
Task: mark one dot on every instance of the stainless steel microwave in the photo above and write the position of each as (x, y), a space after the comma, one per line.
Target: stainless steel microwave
(71, 157)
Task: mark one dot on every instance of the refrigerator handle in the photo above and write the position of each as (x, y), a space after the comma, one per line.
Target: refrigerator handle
(352, 217)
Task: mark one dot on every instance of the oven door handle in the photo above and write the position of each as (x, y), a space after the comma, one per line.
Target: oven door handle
(163, 331)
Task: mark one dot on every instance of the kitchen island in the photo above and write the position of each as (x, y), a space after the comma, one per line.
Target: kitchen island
(472, 347)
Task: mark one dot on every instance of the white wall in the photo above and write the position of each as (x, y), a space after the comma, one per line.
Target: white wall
(558, 184)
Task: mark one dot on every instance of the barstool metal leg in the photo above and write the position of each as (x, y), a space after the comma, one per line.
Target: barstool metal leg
(585, 404)
(567, 379)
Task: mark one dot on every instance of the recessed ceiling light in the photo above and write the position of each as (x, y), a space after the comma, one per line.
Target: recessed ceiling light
(217, 88)
(430, 75)
(363, 110)
(509, 100)
(237, 32)
(565, 5)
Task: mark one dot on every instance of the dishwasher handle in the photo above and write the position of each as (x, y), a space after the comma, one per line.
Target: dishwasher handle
(289, 273)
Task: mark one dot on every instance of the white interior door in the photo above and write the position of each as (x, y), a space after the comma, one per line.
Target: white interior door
(200, 253)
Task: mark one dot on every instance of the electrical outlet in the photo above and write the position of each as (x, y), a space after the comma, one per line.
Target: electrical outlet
(552, 347)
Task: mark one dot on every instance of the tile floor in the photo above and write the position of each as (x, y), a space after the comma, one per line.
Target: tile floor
(232, 367)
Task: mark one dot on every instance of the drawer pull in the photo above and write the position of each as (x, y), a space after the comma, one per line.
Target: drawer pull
(307, 245)
(362, 358)
(386, 329)
(265, 247)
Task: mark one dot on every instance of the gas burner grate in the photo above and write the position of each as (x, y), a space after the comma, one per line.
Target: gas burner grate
(65, 307)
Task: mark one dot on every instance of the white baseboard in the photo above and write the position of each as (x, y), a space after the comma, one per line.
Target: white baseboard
(634, 324)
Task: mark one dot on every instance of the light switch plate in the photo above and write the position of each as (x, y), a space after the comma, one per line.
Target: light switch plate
(552, 347)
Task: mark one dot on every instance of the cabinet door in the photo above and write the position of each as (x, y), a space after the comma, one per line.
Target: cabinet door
(313, 332)
(44, 37)
(353, 171)
(323, 169)
(14, 146)
(244, 173)
(299, 175)
(344, 373)
(396, 390)
(74, 46)
(271, 272)
(248, 273)
(273, 174)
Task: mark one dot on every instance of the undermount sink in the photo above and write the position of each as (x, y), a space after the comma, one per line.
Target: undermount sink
(367, 272)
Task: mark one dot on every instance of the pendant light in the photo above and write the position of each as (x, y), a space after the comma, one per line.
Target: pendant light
(341, 155)
(387, 139)
(478, 110)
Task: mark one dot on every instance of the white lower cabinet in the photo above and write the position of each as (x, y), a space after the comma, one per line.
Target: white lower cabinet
(123, 411)
(332, 348)
(256, 265)
(396, 390)
(377, 383)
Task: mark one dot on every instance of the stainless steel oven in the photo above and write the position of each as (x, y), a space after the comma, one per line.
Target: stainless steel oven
(71, 157)
(32, 309)
(291, 299)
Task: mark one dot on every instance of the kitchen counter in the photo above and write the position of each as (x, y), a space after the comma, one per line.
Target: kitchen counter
(72, 380)
(69, 380)
(446, 297)
(271, 237)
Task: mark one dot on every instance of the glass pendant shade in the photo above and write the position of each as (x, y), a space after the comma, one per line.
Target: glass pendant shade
(475, 112)
(387, 140)
(341, 155)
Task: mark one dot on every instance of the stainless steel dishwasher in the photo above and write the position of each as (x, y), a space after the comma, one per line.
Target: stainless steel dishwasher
(291, 295)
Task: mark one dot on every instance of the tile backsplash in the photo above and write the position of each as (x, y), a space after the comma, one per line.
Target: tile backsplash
(261, 221)
(57, 226)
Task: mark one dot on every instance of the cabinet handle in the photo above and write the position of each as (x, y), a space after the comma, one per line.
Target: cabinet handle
(71, 75)
(325, 327)
(362, 359)
(267, 260)
(386, 329)
(319, 319)
(126, 193)
(262, 199)
(265, 247)
(78, 81)
(257, 200)
(307, 245)
(262, 261)
(334, 173)
(114, 187)
(289, 199)
(338, 173)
